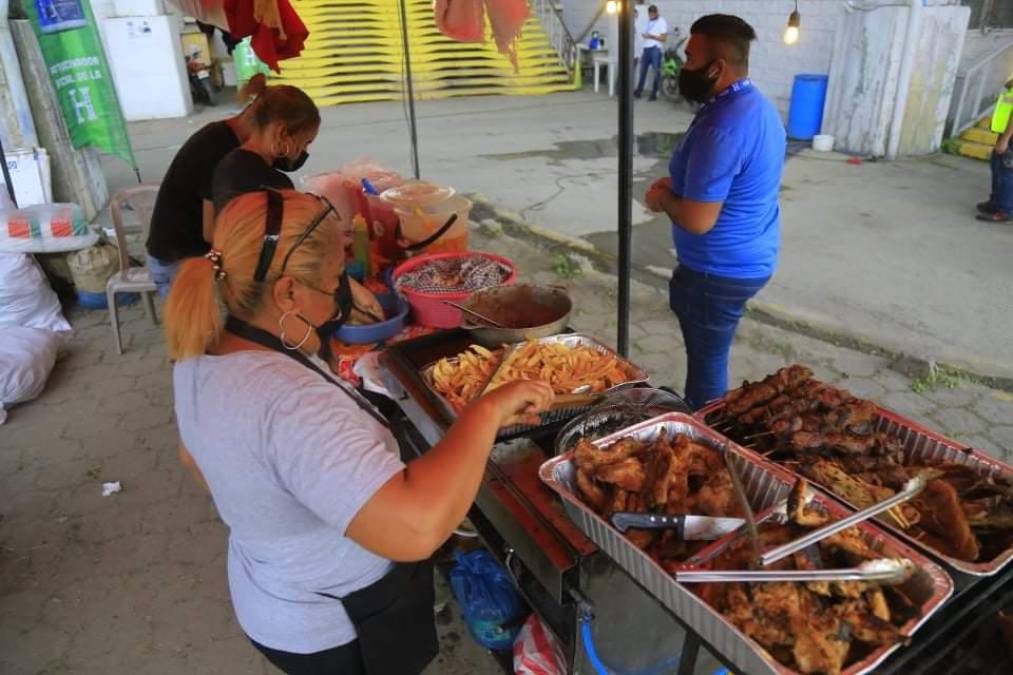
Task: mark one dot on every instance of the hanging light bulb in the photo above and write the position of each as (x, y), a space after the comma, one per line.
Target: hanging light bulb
(612, 6)
(794, 22)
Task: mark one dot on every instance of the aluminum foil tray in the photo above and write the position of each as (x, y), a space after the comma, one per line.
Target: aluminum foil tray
(922, 444)
(639, 376)
(766, 486)
(929, 588)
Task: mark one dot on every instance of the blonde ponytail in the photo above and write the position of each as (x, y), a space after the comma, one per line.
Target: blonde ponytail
(193, 318)
(201, 291)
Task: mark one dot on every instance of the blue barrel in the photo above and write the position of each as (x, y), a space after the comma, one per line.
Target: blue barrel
(805, 116)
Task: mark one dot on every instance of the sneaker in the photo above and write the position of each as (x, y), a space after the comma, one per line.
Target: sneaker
(995, 217)
(637, 94)
(986, 207)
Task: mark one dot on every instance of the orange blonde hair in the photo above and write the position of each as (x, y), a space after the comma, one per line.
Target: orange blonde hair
(193, 314)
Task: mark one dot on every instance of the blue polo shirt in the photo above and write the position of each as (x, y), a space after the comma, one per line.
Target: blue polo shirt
(734, 153)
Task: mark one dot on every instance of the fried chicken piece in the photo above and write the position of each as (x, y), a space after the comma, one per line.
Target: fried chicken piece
(717, 496)
(856, 491)
(620, 501)
(589, 457)
(642, 539)
(809, 559)
(851, 545)
(773, 606)
(798, 512)
(943, 516)
(628, 474)
(864, 625)
(678, 482)
(591, 493)
(878, 605)
(819, 646)
(659, 474)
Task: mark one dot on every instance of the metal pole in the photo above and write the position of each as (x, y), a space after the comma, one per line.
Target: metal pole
(412, 123)
(625, 172)
(7, 175)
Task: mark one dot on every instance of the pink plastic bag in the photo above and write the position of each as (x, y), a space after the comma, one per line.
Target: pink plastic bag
(461, 20)
(537, 651)
(507, 18)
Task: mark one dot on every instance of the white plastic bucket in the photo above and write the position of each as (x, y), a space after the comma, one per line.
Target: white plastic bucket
(823, 143)
(421, 222)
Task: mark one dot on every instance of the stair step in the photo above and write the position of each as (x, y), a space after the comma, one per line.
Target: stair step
(354, 54)
(979, 135)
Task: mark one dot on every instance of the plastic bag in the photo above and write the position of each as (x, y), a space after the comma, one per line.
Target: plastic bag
(461, 20)
(46, 228)
(27, 356)
(25, 296)
(488, 599)
(93, 266)
(537, 651)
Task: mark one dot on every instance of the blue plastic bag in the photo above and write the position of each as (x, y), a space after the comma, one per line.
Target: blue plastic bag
(492, 608)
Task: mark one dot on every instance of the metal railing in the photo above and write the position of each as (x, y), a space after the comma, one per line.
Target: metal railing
(551, 16)
(973, 101)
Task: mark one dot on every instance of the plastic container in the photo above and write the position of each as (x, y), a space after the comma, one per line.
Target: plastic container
(805, 116)
(396, 311)
(415, 193)
(428, 308)
(420, 223)
(823, 143)
(99, 301)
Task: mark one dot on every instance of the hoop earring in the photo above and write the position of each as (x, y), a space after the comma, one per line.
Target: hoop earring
(281, 325)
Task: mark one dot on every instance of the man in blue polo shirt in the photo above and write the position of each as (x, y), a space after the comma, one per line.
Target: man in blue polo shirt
(722, 198)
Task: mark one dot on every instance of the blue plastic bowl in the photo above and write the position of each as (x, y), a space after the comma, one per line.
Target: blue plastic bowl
(394, 308)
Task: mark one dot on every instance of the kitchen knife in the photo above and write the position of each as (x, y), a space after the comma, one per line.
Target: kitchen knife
(688, 528)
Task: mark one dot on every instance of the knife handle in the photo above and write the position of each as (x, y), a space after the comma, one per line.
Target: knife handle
(623, 521)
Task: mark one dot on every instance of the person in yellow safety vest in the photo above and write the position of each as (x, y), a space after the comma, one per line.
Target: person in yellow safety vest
(999, 207)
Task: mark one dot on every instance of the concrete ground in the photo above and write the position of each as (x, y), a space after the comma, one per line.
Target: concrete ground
(135, 582)
(889, 253)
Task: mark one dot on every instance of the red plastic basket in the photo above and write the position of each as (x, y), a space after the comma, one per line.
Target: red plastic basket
(428, 308)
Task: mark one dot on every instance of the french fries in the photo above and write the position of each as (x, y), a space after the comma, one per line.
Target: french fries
(462, 378)
(465, 377)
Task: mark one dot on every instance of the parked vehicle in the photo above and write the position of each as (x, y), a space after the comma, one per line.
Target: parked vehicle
(671, 64)
(202, 88)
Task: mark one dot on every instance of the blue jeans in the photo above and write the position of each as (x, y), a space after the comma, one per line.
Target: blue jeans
(650, 58)
(709, 308)
(1002, 185)
(162, 274)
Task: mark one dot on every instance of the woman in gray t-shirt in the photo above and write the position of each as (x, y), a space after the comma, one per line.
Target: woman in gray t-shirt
(304, 472)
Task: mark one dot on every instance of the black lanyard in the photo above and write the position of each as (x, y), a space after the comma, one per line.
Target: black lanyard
(263, 338)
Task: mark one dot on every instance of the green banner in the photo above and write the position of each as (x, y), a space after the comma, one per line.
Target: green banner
(77, 66)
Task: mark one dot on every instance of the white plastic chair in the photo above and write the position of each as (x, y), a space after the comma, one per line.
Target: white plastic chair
(599, 60)
(140, 201)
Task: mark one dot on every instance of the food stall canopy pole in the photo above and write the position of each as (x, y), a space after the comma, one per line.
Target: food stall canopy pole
(625, 173)
(8, 183)
(412, 122)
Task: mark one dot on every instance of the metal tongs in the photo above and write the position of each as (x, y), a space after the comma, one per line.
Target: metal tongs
(911, 489)
(883, 570)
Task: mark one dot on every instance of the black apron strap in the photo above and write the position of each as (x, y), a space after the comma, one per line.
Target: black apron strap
(265, 339)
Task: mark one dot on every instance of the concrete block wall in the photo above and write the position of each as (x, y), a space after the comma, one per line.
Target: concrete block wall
(773, 64)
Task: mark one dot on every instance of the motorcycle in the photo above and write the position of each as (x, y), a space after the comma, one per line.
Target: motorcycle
(202, 88)
(671, 64)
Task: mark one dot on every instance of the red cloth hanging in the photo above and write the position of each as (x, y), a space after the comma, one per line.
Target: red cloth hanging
(270, 44)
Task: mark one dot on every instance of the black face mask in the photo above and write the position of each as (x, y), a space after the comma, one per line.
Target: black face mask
(289, 165)
(343, 302)
(696, 85)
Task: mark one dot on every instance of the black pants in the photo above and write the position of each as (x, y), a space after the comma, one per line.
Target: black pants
(343, 660)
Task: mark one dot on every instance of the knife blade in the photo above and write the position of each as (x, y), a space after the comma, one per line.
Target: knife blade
(688, 527)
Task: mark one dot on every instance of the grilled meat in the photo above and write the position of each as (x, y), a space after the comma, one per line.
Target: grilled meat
(943, 517)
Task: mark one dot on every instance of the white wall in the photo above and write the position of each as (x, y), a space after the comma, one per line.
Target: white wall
(773, 65)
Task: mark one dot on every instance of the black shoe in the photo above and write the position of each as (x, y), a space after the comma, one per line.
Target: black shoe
(995, 217)
(986, 207)
(637, 94)
(654, 97)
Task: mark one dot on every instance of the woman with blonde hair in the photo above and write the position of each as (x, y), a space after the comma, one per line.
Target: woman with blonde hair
(184, 212)
(327, 527)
